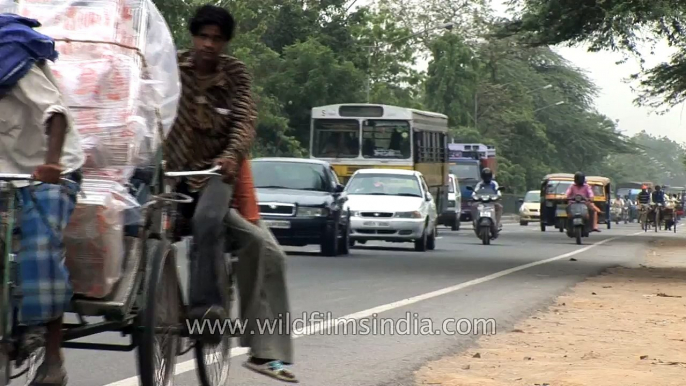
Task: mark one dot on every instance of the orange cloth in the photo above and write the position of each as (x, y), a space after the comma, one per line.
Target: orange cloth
(244, 198)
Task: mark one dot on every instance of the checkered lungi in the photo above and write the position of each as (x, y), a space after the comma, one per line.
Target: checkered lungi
(44, 279)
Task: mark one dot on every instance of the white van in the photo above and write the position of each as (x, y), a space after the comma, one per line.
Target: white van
(451, 216)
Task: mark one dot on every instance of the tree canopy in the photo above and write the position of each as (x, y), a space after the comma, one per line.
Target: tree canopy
(528, 101)
(623, 25)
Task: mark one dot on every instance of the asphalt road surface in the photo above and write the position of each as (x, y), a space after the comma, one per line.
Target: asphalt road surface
(517, 274)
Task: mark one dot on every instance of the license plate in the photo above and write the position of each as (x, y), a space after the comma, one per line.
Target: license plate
(578, 221)
(278, 224)
(376, 224)
(486, 213)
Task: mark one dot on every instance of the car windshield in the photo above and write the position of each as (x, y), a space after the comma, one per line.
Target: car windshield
(558, 187)
(533, 197)
(289, 175)
(384, 185)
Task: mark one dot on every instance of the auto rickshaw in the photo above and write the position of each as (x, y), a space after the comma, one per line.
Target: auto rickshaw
(602, 194)
(554, 201)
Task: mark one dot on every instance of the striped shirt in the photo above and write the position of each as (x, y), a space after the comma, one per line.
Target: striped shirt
(216, 118)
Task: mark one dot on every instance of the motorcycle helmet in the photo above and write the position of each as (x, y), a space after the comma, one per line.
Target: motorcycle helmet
(487, 175)
(579, 178)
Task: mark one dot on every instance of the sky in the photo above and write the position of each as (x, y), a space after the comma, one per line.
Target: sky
(615, 97)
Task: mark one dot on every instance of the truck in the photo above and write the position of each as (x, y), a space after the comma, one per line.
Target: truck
(466, 160)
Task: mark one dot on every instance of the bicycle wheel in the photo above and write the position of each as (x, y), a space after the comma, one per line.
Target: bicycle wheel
(657, 220)
(160, 319)
(214, 361)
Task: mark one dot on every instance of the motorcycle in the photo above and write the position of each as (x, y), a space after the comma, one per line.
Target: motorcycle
(485, 220)
(579, 224)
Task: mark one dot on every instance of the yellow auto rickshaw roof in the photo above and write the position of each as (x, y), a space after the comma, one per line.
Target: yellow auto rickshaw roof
(559, 176)
(598, 180)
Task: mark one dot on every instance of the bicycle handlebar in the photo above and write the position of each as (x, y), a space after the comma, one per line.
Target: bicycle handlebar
(28, 177)
(208, 172)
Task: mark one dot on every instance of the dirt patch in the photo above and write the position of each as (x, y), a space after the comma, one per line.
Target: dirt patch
(626, 327)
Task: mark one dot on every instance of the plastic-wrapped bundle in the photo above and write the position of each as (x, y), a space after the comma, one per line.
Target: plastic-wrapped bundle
(94, 238)
(118, 72)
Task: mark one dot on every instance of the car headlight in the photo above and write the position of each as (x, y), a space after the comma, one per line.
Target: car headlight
(413, 214)
(306, 211)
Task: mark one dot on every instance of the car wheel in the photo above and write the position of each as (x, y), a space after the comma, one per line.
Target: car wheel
(421, 243)
(455, 226)
(344, 242)
(329, 246)
(523, 223)
(431, 240)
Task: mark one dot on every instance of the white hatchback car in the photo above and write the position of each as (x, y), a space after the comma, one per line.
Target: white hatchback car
(391, 205)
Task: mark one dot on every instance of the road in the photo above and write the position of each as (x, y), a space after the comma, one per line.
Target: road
(519, 273)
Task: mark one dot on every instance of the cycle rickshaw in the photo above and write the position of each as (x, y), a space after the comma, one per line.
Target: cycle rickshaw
(147, 303)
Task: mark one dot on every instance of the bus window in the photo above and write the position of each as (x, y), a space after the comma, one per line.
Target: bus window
(336, 138)
(386, 139)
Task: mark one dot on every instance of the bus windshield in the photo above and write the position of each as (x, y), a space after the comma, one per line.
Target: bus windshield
(336, 138)
(465, 171)
(383, 138)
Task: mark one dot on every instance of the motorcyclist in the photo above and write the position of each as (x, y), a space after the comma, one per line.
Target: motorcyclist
(618, 205)
(488, 181)
(631, 207)
(580, 187)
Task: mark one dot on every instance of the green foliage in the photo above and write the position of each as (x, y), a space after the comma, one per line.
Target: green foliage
(503, 92)
(618, 25)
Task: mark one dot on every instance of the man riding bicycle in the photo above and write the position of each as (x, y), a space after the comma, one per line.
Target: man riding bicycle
(658, 198)
(216, 125)
(581, 188)
(37, 136)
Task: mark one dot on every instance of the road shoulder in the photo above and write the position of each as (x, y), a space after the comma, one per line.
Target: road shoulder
(624, 327)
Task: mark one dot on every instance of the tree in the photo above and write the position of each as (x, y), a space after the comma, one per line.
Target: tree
(614, 25)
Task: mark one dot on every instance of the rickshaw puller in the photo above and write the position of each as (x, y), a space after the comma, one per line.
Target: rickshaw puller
(39, 139)
(216, 125)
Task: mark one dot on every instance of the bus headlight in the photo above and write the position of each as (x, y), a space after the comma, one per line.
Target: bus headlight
(306, 211)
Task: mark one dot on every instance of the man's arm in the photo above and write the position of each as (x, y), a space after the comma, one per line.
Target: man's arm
(39, 92)
(243, 116)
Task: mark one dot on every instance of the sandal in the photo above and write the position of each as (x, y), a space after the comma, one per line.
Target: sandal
(274, 369)
(50, 375)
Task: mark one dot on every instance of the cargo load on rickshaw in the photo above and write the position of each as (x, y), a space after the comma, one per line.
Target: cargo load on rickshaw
(118, 73)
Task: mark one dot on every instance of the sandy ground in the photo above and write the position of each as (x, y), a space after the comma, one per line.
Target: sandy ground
(626, 327)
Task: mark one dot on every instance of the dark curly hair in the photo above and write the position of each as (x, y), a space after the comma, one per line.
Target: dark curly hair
(213, 15)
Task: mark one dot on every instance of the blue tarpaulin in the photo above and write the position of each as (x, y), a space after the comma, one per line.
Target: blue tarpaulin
(20, 47)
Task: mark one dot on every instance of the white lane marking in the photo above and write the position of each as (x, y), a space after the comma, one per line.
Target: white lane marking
(189, 365)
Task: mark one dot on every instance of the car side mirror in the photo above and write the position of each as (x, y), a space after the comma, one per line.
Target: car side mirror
(428, 197)
(339, 188)
(502, 188)
(520, 201)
